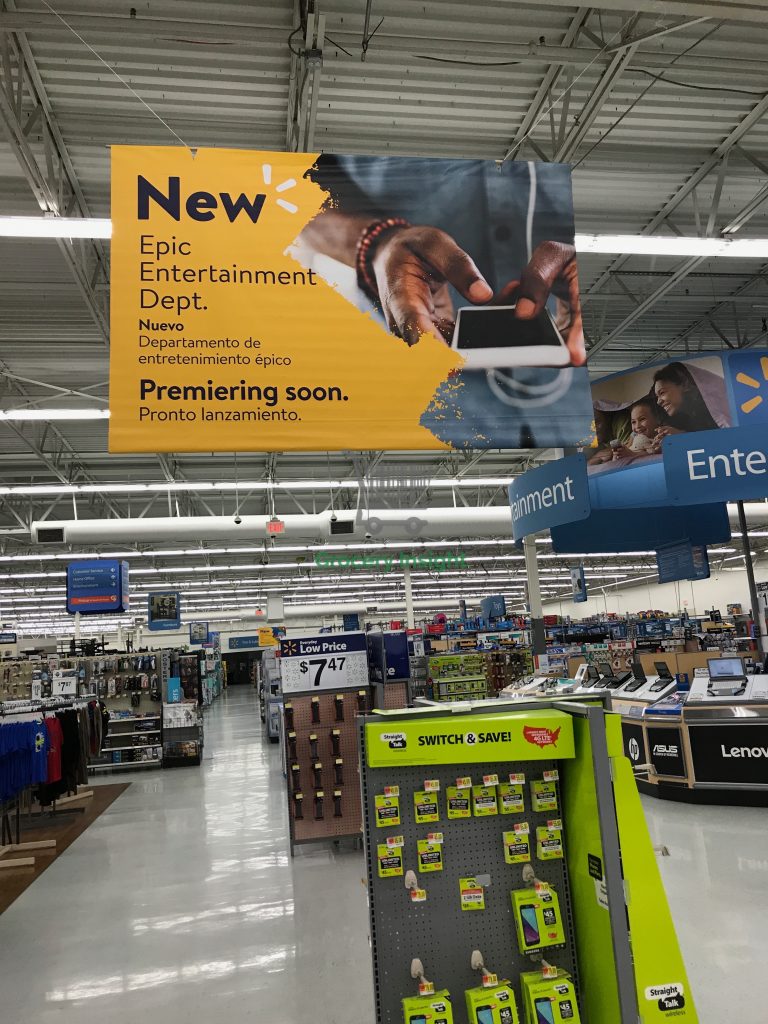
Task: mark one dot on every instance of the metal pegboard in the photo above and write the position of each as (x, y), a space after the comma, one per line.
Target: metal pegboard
(437, 931)
(309, 828)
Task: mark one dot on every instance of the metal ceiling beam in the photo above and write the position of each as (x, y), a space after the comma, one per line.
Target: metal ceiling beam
(707, 318)
(742, 217)
(25, 113)
(252, 35)
(658, 32)
(733, 138)
(551, 78)
(591, 109)
(752, 12)
(304, 81)
(76, 470)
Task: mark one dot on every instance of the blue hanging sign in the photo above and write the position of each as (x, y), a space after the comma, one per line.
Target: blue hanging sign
(717, 465)
(578, 584)
(683, 561)
(164, 610)
(97, 586)
(198, 633)
(242, 643)
(554, 494)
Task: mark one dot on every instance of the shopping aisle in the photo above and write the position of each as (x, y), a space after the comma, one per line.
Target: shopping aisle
(181, 903)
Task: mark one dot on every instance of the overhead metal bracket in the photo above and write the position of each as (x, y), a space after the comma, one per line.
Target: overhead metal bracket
(304, 85)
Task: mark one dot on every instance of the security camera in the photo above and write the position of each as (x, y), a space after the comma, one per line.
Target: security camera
(238, 520)
(334, 517)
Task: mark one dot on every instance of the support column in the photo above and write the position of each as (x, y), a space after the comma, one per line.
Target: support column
(757, 614)
(410, 621)
(538, 641)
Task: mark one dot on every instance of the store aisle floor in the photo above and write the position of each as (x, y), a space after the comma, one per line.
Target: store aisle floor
(182, 903)
(716, 878)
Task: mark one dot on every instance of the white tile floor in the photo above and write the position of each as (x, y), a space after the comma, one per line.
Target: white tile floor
(181, 903)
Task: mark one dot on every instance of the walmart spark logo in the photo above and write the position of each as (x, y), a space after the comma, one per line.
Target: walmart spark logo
(205, 206)
(750, 385)
(290, 648)
(284, 186)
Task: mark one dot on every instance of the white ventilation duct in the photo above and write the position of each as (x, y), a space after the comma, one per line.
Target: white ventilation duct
(379, 524)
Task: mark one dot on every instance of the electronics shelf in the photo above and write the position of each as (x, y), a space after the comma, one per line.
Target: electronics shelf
(136, 746)
(116, 720)
(123, 764)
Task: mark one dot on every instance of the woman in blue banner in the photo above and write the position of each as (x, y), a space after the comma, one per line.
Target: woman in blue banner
(634, 412)
(681, 402)
(428, 238)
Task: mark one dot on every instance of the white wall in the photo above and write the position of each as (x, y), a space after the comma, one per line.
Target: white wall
(718, 591)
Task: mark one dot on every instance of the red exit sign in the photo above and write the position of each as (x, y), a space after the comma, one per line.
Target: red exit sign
(275, 526)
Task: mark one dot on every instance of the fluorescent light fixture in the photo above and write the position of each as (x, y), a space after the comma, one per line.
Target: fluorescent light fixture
(56, 227)
(645, 245)
(670, 245)
(49, 415)
(243, 486)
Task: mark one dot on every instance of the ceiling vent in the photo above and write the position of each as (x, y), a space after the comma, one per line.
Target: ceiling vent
(342, 527)
(50, 535)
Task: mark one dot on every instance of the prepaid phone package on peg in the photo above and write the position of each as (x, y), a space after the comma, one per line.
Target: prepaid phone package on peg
(549, 1000)
(538, 921)
(433, 1009)
(492, 1005)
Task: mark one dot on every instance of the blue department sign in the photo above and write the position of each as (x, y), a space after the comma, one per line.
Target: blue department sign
(552, 495)
(717, 465)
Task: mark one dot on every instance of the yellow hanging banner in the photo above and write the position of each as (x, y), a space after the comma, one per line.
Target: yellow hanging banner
(289, 301)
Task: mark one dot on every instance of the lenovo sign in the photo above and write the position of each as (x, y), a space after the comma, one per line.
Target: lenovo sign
(731, 754)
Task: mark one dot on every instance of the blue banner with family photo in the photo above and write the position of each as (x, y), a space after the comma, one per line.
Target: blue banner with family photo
(690, 433)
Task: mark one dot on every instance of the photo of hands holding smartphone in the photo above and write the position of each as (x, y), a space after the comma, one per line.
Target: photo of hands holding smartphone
(479, 256)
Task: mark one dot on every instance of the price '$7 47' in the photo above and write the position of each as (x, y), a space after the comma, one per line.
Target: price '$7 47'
(315, 667)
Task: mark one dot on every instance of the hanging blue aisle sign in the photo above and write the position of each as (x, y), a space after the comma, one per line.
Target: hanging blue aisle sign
(578, 584)
(552, 495)
(242, 643)
(683, 561)
(7, 638)
(351, 621)
(717, 465)
(198, 633)
(97, 586)
(164, 610)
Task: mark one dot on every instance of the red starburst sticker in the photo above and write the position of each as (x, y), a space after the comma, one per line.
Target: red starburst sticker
(541, 737)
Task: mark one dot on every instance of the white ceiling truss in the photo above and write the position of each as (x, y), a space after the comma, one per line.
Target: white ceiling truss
(660, 107)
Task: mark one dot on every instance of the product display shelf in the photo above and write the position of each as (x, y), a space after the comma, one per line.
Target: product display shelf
(182, 735)
(604, 882)
(132, 740)
(321, 756)
(460, 688)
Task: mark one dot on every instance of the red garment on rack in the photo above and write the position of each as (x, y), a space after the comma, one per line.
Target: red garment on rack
(55, 743)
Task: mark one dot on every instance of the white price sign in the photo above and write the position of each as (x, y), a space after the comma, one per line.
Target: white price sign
(329, 661)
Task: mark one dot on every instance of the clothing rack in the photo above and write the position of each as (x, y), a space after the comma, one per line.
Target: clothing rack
(10, 833)
(42, 704)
